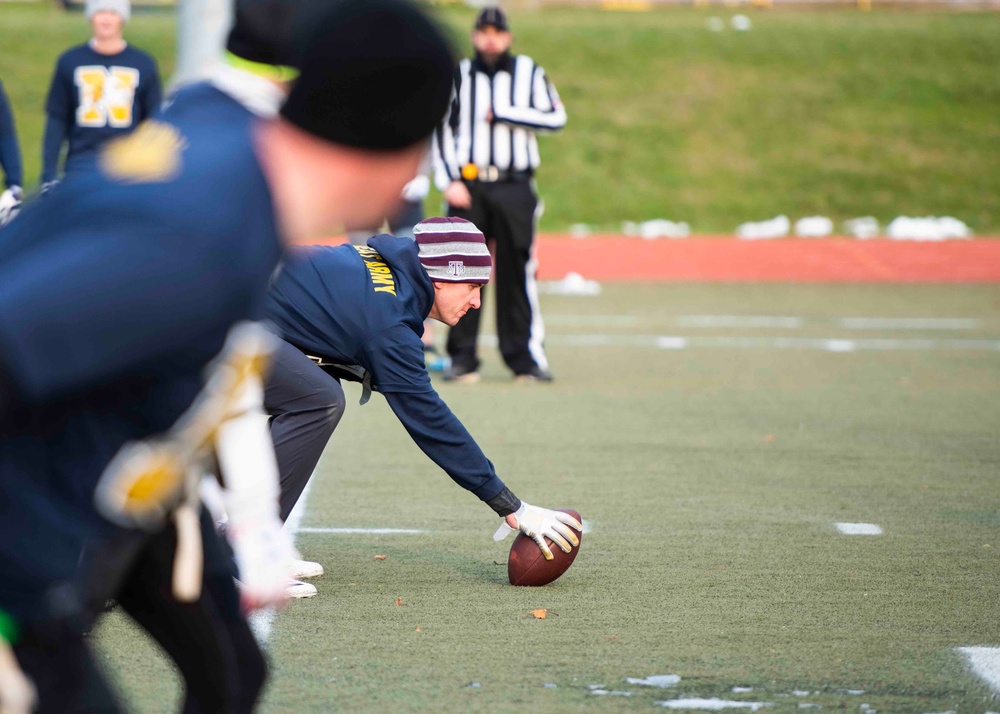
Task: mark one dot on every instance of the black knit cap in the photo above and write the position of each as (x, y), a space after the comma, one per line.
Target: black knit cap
(375, 74)
(262, 31)
(492, 17)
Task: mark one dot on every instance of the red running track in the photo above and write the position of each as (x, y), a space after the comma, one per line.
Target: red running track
(808, 260)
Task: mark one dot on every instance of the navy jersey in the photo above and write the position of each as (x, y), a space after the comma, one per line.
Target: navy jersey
(95, 97)
(366, 306)
(114, 295)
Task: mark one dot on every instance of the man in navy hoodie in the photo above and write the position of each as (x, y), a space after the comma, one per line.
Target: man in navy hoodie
(359, 311)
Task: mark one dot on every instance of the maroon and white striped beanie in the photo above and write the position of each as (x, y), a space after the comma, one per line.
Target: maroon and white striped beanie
(453, 250)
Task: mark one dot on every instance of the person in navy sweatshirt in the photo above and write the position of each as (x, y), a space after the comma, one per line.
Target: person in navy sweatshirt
(101, 89)
(357, 312)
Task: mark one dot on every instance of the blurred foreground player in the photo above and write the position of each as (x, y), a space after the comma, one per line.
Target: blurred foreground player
(359, 312)
(117, 293)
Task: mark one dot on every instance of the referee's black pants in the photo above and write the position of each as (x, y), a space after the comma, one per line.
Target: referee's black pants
(505, 212)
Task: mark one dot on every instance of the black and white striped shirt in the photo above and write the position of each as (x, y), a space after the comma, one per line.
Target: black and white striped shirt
(523, 102)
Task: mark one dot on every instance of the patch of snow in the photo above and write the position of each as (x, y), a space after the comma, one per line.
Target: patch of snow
(572, 284)
(777, 227)
(813, 227)
(713, 704)
(655, 680)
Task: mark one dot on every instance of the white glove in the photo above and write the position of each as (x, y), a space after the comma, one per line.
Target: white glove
(249, 469)
(10, 204)
(417, 189)
(541, 523)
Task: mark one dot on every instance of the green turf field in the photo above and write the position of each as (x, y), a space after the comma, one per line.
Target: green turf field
(711, 477)
(840, 113)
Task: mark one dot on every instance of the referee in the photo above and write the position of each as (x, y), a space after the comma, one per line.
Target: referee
(485, 155)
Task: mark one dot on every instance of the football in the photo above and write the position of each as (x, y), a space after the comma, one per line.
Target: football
(527, 566)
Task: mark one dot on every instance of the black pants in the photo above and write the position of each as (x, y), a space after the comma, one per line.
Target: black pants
(505, 213)
(305, 405)
(209, 639)
(56, 658)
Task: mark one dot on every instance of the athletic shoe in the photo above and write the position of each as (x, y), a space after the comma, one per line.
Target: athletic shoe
(439, 363)
(303, 569)
(537, 374)
(297, 589)
(460, 375)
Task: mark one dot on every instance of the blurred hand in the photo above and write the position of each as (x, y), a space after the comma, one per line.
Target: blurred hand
(541, 523)
(10, 204)
(457, 195)
(47, 187)
(264, 557)
(417, 189)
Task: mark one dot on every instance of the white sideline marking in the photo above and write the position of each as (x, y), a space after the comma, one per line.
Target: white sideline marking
(784, 321)
(361, 531)
(985, 663)
(713, 704)
(859, 529)
(262, 621)
(909, 323)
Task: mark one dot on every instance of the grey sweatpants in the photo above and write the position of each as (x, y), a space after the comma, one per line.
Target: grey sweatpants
(305, 405)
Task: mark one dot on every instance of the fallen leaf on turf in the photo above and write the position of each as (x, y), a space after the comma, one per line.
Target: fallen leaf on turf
(539, 614)
(769, 437)
(418, 628)
(381, 557)
(399, 601)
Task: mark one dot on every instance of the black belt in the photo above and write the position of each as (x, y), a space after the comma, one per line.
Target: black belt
(492, 174)
(350, 372)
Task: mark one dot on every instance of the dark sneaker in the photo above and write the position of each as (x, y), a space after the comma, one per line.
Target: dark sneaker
(460, 375)
(536, 374)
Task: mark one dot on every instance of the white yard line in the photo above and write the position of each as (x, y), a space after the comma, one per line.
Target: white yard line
(859, 528)
(908, 323)
(985, 663)
(599, 320)
(822, 344)
(783, 321)
(363, 531)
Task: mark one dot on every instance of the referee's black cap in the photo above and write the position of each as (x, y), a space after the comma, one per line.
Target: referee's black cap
(492, 17)
(375, 74)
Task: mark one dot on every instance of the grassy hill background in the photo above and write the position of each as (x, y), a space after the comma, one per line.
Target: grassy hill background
(835, 112)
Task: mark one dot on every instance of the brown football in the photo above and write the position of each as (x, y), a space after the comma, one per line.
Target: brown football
(527, 566)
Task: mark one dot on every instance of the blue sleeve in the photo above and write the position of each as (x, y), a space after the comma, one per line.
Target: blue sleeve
(55, 135)
(10, 152)
(123, 308)
(58, 109)
(396, 360)
(152, 93)
(440, 435)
